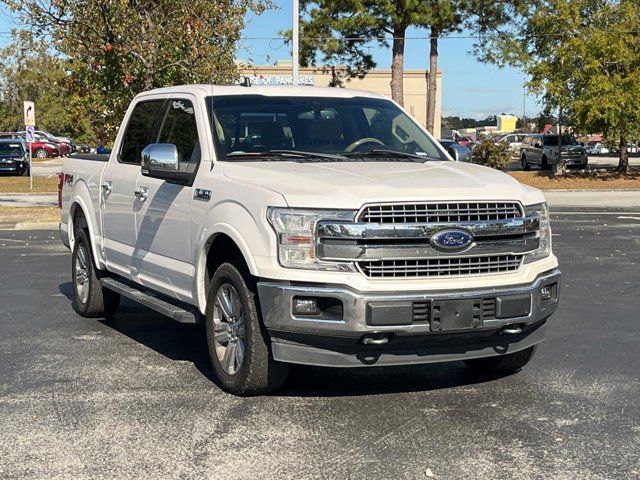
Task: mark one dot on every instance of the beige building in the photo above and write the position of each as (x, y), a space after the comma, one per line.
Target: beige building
(378, 80)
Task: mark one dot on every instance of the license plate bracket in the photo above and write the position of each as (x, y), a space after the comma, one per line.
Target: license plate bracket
(453, 315)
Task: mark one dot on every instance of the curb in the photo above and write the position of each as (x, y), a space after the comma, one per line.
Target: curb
(37, 226)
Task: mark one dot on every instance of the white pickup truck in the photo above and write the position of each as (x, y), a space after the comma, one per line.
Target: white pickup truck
(312, 226)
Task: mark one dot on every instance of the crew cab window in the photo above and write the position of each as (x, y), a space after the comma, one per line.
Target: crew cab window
(139, 131)
(179, 127)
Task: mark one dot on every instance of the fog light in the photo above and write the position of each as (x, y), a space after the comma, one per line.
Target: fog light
(546, 292)
(305, 306)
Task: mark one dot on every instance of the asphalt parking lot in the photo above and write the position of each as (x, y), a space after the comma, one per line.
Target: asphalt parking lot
(132, 397)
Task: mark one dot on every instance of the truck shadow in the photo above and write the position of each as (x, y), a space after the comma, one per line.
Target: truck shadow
(188, 343)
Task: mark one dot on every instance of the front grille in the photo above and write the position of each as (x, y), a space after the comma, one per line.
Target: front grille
(441, 212)
(441, 267)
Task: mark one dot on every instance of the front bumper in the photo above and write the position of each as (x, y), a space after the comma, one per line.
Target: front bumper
(354, 341)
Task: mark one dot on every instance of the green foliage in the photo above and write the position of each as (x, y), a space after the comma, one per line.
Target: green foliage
(492, 154)
(116, 49)
(456, 123)
(583, 57)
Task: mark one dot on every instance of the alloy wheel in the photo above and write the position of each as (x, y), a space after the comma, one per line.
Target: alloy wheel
(82, 273)
(229, 329)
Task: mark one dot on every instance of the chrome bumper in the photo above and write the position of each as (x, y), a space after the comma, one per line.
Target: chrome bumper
(342, 342)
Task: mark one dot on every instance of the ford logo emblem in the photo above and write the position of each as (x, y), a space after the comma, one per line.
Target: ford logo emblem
(451, 239)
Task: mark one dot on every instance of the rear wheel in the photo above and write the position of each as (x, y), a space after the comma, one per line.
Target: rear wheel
(92, 299)
(238, 342)
(510, 362)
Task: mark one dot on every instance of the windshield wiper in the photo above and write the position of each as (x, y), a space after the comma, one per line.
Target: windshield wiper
(381, 152)
(283, 154)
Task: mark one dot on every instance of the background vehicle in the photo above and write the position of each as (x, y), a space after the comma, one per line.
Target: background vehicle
(304, 225)
(542, 150)
(457, 151)
(514, 140)
(597, 149)
(82, 148)
(63, 147)
(14, 157)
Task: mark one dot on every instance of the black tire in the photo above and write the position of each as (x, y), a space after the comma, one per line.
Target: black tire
(525, 165)
(544, 165)
(510, 362)
(256, 372)
(95, 301)
(25, 172)
(41, 153)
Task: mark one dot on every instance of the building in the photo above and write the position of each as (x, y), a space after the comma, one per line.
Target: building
(378, 81)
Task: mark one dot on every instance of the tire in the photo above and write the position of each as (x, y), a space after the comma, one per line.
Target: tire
(238, 343)
(92, 300)
(544, 165)
(510, 362)
(525, 165)
(41, 153)
(25, 173)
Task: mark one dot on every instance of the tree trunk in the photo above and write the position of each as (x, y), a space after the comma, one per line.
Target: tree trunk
(623, 164)
(397, 65)
(433, 81)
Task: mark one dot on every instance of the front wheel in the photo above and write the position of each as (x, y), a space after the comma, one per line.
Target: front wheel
(92, 299)
(41, 153)
(545, 164)
(525, 165)
(510, 362)
(238, 342)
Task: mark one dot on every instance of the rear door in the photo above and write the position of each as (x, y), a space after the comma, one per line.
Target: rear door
(118, 188)
(163, 220)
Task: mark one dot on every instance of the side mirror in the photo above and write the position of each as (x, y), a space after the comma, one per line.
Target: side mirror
(537, 145)
(160, 160)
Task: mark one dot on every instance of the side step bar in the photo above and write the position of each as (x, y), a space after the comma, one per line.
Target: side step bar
(171, 310)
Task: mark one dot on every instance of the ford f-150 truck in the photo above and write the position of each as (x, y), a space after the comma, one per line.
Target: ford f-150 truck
(307, 225)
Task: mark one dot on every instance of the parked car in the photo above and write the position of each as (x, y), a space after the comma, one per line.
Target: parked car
(14, 156)
(457, 151)
(542, 150)
(597, 149)
(463, 140)
(63, 146)
(82, 148)
(346, 239)
(514, 140)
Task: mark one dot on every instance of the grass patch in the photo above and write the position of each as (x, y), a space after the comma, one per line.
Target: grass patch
(580, 180)
(10, 216)
(21, 185)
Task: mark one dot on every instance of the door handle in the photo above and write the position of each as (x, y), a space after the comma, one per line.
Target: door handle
(107, 187)
(141, 193)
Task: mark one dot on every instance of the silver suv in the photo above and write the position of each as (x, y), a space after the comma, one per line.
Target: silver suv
(542, 150)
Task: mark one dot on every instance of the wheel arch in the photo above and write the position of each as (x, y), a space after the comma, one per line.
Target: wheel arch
(79, 210)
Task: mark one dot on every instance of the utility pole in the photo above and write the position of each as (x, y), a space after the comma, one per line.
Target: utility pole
(524, 106)
(295, 42)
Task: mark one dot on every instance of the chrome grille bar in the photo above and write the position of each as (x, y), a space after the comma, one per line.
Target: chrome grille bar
(440, 212)
(438, 267)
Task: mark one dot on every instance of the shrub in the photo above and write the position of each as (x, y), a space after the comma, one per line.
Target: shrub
(492, 154)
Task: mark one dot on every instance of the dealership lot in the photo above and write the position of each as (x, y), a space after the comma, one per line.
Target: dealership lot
(132, 396)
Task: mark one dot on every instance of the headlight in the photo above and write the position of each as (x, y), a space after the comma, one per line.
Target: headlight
(295, 229)
(544, 249)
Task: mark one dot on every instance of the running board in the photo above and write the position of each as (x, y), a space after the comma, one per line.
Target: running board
(171, 310)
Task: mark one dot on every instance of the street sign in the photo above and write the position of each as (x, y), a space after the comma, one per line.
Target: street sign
(30, 133)
(29, 114)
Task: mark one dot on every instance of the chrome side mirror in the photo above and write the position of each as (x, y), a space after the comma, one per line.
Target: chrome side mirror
(160, 160)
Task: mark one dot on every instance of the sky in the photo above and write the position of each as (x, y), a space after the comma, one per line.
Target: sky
(469, 88)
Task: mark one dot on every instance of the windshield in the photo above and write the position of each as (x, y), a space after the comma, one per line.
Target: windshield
(552, 140)
(11, 149)
(338, 126)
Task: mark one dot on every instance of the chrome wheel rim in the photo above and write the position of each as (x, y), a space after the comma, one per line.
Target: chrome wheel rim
(41, 154)
(229, 329)
(82, 273)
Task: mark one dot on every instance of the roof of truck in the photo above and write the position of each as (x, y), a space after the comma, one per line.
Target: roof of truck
(268, 90)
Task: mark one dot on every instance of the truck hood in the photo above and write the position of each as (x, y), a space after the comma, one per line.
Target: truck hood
(353, 184)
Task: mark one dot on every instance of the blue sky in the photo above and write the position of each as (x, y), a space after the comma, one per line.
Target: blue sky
(469, 88)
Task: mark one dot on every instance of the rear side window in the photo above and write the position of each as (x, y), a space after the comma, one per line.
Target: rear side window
(180, 128)
(139, 131)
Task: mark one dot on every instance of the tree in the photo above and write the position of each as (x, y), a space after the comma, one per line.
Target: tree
(343, 29)
(583, 58)
(30, 72)
(116, 49)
